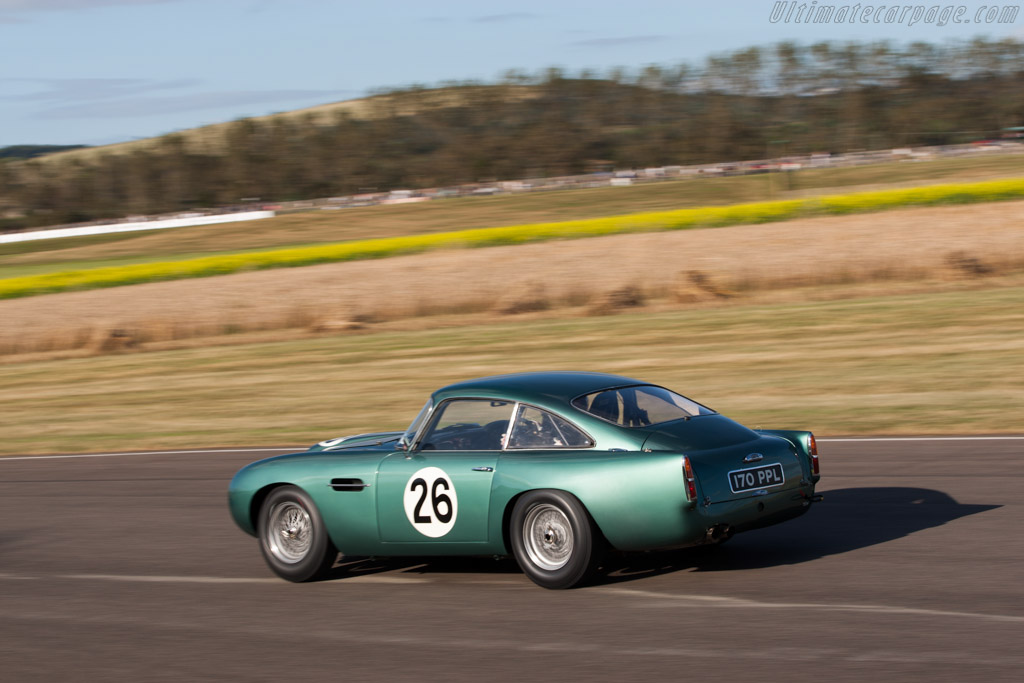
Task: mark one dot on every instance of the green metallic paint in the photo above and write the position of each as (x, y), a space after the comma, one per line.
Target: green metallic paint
(801, 440)
(630, 482)
(350, 516)
(373, 440)
(473, 489)
(637, 499)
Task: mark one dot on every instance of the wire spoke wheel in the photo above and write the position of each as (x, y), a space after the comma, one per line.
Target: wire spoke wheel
(554, 539)
(293, 537)
(548, 536)
(289, 532)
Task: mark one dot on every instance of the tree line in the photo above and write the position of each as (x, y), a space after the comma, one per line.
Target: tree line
(33, 151)
(748, 104)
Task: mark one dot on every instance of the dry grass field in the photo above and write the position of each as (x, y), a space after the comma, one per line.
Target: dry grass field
(907, 321)
(942, 363)
(906, 250)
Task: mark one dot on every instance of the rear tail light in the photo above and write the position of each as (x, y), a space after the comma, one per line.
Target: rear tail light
(813, 447)
(691, 483)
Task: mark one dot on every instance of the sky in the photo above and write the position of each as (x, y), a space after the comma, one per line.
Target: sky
(102, 71)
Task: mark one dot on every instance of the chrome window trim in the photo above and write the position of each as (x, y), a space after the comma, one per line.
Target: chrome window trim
(430, 420)
(511, 425)
(516, 406)
(419, 431)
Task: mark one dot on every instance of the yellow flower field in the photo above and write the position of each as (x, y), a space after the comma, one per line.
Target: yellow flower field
(681, 219)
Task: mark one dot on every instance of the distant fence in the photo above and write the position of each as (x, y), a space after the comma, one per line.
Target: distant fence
(609, 178)
(619, 177)
(162, 224)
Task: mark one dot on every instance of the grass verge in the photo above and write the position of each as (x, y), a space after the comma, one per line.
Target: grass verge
(925, 363)
(681, 219)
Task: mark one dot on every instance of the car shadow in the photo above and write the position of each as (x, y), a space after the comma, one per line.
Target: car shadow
(847, 520)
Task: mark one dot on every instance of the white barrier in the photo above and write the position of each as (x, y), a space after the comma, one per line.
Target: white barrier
(132, 227)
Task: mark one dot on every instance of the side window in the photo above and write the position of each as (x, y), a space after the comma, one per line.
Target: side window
(536, 428)
(468, 425)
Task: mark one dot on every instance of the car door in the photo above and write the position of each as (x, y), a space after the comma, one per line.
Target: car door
(439, 491)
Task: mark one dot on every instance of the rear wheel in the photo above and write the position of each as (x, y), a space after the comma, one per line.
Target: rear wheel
(554, 540)
(292, 536)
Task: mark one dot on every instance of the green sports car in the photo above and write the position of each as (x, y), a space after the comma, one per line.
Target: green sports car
(553, 468)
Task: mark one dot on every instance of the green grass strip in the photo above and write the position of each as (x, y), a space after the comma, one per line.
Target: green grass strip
(681, 219)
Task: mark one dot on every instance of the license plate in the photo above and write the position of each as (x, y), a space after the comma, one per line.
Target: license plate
(756, 478)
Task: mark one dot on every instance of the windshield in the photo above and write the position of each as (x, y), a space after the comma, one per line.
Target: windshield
(410, 433)
(639, 406)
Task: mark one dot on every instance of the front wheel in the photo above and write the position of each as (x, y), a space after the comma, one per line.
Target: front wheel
(292, 536)
(554, 540)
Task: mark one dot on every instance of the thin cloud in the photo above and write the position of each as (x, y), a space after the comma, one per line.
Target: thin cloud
(17, 11)
(69, 90)
(137, 107)
(621, 41)
(24, 6)
(502, 18)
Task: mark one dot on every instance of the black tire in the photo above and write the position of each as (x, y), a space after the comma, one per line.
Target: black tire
(292, 536)
(554, 540)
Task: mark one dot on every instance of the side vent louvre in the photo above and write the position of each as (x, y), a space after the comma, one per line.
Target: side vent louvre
(348, 484)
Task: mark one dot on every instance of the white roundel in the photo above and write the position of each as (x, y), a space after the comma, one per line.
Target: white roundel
(430, 502)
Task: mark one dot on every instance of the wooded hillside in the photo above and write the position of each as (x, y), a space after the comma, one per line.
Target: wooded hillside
(750, 104)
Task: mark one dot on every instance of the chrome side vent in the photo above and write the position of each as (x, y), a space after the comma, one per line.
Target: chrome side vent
(348, 484)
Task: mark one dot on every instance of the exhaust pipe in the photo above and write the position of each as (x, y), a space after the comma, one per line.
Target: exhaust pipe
(807, 500)
(720, 533)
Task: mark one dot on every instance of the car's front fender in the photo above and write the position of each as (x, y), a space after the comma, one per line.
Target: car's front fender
(349, 512)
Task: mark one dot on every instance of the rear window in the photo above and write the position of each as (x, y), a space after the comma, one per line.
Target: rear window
(640, 406)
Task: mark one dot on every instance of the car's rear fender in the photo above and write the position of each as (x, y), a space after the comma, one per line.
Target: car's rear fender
(637, 500)
(801, 440)
(506, 522)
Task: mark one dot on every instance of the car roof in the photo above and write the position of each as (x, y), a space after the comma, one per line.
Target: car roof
(541, 388)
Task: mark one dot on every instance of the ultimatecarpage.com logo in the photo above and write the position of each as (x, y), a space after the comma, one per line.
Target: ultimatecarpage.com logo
(795, 12)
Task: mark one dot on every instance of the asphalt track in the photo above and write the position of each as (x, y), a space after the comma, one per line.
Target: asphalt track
(127, 568)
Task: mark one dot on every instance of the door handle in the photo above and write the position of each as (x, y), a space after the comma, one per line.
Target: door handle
(483, 469)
